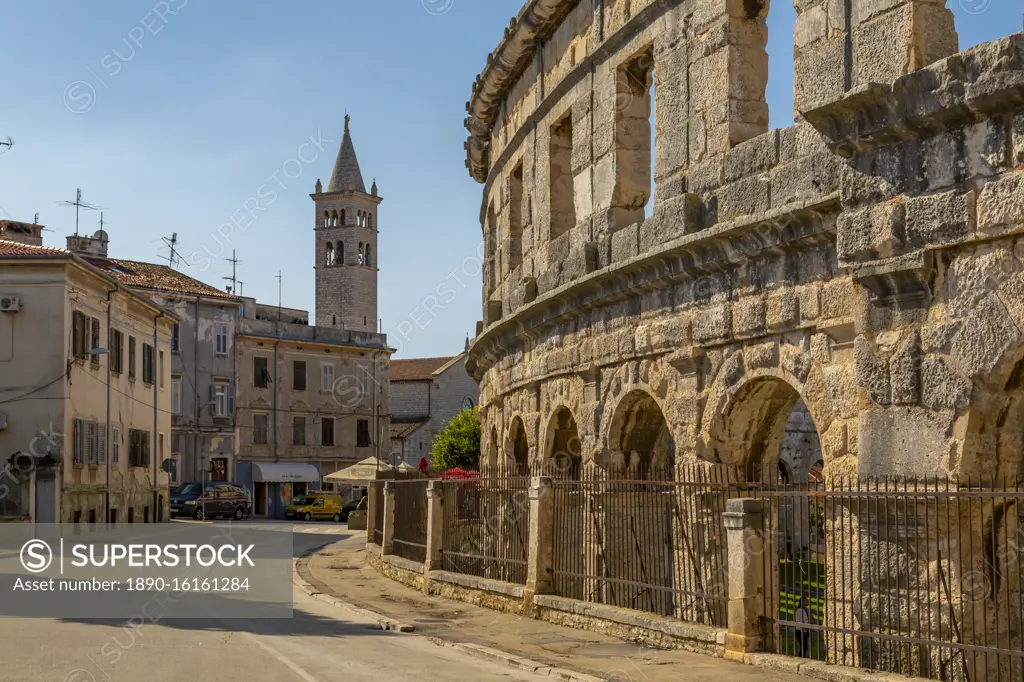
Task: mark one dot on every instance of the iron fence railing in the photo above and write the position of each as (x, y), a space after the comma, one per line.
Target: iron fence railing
(486, 526)
(411, 519)
(920, 577)
(641, 540)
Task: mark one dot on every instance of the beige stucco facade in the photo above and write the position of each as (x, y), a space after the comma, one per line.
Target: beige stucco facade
(53, 395)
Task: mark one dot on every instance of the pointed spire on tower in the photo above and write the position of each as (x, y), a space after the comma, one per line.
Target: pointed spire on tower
(346, 176)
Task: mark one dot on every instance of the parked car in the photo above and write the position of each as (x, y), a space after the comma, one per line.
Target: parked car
(322, 506)
(218, 499)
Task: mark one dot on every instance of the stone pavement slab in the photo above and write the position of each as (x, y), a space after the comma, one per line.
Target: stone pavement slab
(340, 570)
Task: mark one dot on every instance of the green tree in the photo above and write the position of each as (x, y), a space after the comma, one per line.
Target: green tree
(458, 445)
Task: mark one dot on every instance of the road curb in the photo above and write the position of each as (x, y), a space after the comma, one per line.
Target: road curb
(474, 650)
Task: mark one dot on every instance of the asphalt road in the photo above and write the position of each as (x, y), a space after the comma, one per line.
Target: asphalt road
(321, 642)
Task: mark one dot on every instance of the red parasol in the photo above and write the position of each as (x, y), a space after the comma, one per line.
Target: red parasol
(457, 474)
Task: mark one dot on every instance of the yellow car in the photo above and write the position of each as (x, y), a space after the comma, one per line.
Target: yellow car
(316, 506)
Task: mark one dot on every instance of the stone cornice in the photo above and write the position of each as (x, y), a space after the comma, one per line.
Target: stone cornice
(707, 252)
(536, 21)
(980, 82)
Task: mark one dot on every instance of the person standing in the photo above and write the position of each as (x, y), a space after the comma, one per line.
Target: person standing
(803, 635)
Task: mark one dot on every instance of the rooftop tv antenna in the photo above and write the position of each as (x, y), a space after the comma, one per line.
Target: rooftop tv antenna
(9, 142)
(234, 272)
(172, 243)
(79, 204)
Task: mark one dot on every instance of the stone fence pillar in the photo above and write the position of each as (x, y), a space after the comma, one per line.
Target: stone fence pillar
(540, 568)
(435, 528)
(388, 543)
(745, 535)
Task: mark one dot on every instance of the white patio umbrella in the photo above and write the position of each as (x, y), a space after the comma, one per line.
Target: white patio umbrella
(362, 473)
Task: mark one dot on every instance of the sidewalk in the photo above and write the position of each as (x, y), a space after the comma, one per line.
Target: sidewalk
(340, 570)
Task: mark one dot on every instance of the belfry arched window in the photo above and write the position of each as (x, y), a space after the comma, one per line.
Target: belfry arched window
(369, 260)
(329, 260)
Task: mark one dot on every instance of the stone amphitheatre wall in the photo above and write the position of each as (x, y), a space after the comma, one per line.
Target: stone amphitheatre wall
(868, 260)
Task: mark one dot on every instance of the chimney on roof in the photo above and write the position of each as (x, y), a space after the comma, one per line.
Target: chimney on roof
(23, 233)
(91, 247)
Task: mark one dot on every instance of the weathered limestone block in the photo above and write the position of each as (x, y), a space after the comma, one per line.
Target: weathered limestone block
(942, 388)
(783, 310)
(975, 272)
(902, 441)
(905, 370)
(872, 372)
(838, 299)
(712, 323)
(819, 73)
(806, 179)
(860, 185)
(1018, 140)
(1011, 292)
(984, 148)
(762, 355)
(795, 361)
(581, 261)
(1001, 204)
(843, 392)
(672, 219)
(939, 219)
(625, 243)
(810, 302)
(871, 232)
(748, 196)
(937, 338)
(986, 334)
(752, 157)
(894, 43)
(749, 316)
(834, 442)
(706, 176)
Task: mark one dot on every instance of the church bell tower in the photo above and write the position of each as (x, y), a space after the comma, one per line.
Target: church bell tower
(346, 245)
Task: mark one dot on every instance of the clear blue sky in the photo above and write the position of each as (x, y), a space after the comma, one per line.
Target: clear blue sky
(183, 118)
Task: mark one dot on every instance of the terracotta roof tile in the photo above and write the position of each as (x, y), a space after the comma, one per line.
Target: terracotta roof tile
(9, 248)
(417, 369)
(156, 277)
(405, 430)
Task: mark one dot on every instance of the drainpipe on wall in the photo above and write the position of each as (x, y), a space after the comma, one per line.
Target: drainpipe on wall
(197, 458)
(106, 441)
(276, 425)
(156, 422)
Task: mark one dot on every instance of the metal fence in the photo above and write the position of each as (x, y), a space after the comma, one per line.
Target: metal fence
(411, 518)
(910, 576)
(486, 531)
(644, 541)
(376, 511)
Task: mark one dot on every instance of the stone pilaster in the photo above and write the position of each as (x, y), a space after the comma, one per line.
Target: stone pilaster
(435, 527)
(388, 543)
(744, 528)
(540, 567)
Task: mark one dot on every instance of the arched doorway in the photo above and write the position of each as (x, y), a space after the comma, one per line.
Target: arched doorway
(641, 445)
(563, 458)
(520, 460)
(563, 452)
(765, 438)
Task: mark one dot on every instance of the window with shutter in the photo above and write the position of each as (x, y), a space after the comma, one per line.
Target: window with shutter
(77, 346)
(298, 431)
(90, 442)
(175, 333)
(362, 433)
(222, 339)
(299, 375)
(145, 449)
(115, 444)
(95, 340)
(101, 451)
(147, 363)
(260, 376)
(327, 376)
(79, 439)
(131, 357)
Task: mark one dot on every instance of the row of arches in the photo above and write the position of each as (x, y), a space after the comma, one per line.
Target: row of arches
(336, 219)
(766, 430)
(335, 255)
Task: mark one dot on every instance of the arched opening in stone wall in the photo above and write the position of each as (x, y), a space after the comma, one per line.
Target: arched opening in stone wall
(369, 256)
(329, 259)
(563, 450)
(493, 448)
(490, 239)
(781, 23)
(520, 459)
(990, 533)
(342, 216)
(766, 435)
(339, 253)
(639, 439)
(634, 84)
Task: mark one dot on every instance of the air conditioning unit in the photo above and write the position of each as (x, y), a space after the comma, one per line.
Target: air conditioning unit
(9, 304)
